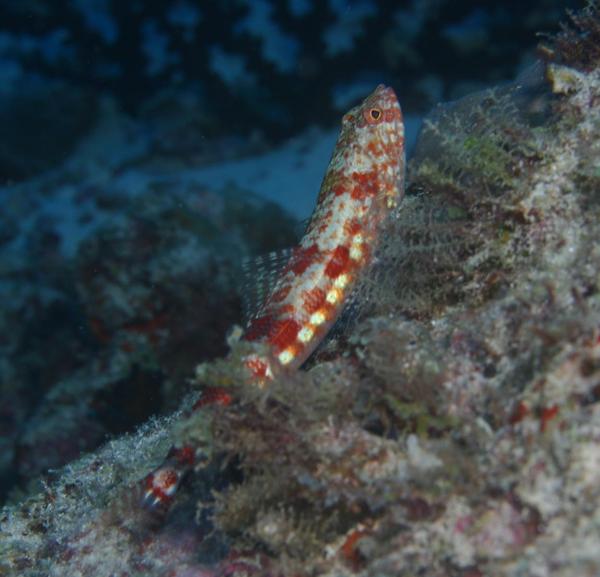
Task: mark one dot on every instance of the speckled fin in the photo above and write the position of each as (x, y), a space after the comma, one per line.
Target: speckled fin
(261, 274)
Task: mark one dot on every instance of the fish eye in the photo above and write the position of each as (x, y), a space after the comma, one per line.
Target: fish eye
(374, 115)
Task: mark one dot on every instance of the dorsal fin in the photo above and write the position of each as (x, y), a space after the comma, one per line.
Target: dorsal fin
(261, 274)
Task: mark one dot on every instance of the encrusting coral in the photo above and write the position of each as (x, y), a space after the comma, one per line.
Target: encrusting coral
(450, 429)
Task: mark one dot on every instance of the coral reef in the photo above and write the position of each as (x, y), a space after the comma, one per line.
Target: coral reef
(451, 429)
(110, 301)
(249, 64)
(577, 43)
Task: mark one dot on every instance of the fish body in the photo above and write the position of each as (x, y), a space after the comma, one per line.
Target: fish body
(363, 183)
(364, 180)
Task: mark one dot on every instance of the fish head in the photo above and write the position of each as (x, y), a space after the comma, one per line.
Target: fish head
(374, 130)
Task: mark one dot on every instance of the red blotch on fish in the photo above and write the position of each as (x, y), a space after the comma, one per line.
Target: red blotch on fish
(303, 258)
(283, 333)
(338, 262)
(313, 299)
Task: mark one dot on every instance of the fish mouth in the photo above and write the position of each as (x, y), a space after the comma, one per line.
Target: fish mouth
(388, 95)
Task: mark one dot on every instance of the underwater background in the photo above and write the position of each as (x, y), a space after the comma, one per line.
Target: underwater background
(150, 149)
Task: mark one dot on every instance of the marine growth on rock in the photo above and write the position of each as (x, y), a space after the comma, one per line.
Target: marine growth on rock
(448, 427)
